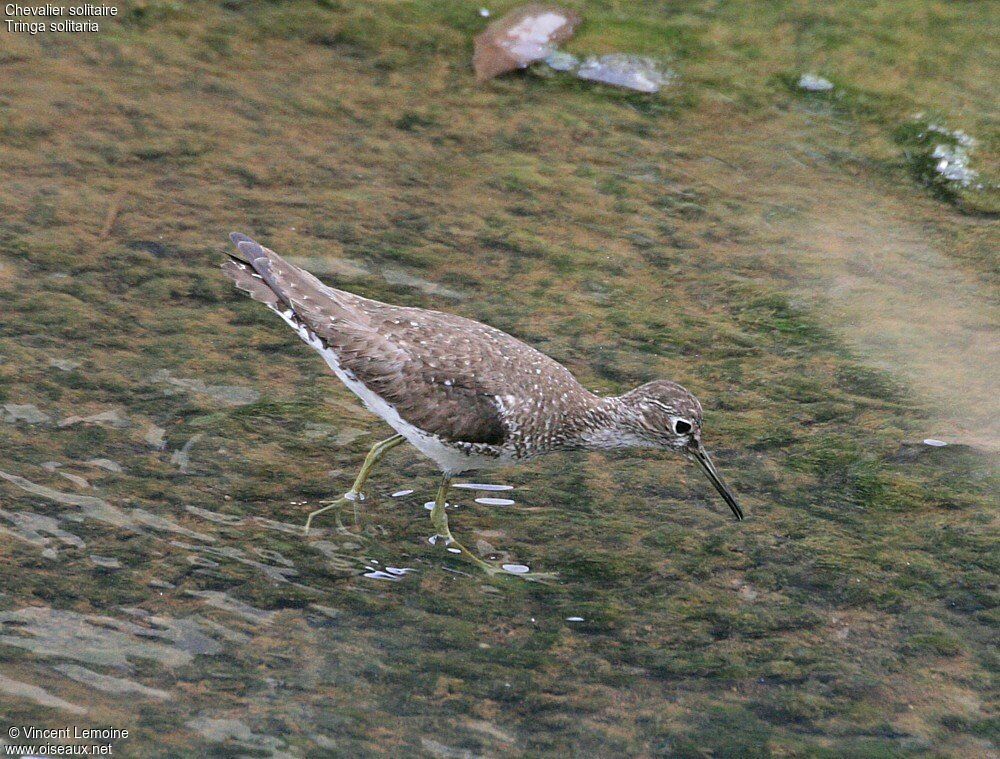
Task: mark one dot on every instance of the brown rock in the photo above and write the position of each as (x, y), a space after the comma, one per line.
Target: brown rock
(521, 37)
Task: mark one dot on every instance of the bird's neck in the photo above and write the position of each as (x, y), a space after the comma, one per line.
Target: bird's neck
(606, 425)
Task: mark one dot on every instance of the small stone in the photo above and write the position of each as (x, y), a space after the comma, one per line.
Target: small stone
(814, 83)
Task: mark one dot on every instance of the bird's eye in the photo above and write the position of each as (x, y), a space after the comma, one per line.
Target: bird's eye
(682, 427)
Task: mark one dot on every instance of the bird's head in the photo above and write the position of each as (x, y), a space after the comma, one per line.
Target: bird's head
(662, 414)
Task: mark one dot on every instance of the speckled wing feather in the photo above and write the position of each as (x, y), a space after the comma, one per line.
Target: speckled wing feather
(412, 358)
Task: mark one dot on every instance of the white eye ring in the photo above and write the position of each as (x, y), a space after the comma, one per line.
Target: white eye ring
(682, 426)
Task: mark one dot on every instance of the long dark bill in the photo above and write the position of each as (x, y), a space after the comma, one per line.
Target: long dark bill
(702, 457)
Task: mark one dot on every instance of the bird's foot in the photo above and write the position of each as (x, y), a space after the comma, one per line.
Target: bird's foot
(518, 571)
(352, 497)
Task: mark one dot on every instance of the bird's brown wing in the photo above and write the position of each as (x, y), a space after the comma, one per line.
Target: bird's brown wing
(394, 352)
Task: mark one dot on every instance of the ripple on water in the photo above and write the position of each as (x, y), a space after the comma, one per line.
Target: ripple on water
(495, 501)
(481, 486)
(274, 572)
(401, 493)
(516, 569)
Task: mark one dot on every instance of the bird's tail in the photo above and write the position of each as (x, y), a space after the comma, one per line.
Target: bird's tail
(240, 269)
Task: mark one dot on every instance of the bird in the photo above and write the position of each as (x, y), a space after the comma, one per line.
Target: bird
(466, 395)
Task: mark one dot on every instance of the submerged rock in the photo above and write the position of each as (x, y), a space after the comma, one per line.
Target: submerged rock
(521, 37)
(632, 72)
(28, 413)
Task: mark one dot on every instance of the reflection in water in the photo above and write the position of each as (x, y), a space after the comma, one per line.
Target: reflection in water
(389, 573)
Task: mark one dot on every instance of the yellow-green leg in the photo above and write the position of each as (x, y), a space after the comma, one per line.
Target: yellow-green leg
(356, 492)
(439, 518)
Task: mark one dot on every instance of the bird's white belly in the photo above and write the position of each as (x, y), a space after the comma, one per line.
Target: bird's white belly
(447, 457)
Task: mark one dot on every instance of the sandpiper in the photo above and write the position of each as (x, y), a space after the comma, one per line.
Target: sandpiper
(466, 395)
